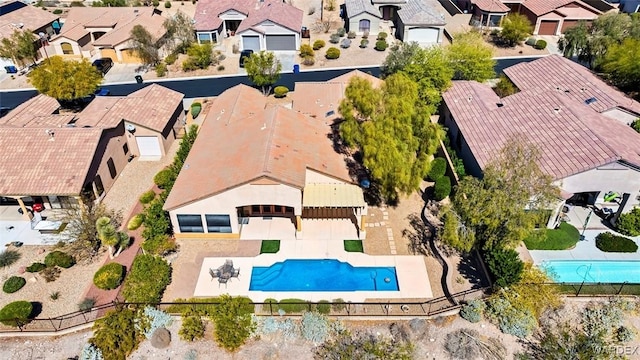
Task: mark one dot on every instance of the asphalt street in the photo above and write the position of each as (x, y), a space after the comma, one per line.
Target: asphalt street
(213, 86)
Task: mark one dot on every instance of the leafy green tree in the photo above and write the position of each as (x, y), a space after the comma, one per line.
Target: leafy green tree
(622, 63)
(505, 266)
(470, 57)
(454, 233)
(504, 87)
(400, 57)
(155, 220)
(19, 47)
(180, 31)
(144, 45)
(263, 69)
(431, 70)
(575, 41)
(147, 280)
(65, 79)
(233, 323)
(501, 207)
(81, 232)
(109, 3)
(629, 223)
(391, 128)
(116, 334)
(107, 234)
(515, 29)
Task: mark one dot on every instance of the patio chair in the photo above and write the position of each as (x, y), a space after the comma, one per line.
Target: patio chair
(228, 262)
(235, 273)
(214, 274)
(222, 281)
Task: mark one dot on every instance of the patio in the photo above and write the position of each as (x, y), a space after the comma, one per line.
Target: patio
(15, 227)
(276, 228)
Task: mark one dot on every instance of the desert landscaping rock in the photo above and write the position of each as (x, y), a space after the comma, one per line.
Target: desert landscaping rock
(161, 338)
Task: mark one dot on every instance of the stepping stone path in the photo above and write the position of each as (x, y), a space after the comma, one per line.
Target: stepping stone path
(383, 223)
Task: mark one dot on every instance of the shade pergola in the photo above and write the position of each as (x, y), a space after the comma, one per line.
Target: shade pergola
(333, 196)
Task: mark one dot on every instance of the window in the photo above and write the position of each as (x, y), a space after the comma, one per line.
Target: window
(125, 148)
(204, 38)
(365, 25)
(190, 223)
(218, 223)
(99, 187)
(112, 168)
(255, 209)
(67, 49)
(98, 34)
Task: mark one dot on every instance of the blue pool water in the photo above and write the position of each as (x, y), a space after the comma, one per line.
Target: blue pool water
(322, 275)
(593, 271)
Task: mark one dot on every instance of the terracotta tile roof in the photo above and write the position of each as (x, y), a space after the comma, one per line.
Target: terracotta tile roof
(556, 73)
(23, 114)
(33, 164)
(571, 136)
(30, 17)
(242, 143)
(275, 11)
(422, 12)
(345, 78)
(207, 11)
(355, 7)
(121, 19)
(494, 6)
(541, 7)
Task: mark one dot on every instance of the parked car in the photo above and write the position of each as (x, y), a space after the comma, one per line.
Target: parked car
(243, 55)
(103, 64)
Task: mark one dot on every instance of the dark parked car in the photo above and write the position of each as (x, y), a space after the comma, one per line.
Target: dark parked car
(243, 55)
(103, 64)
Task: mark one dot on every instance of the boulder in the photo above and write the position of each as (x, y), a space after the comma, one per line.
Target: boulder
(161, 338)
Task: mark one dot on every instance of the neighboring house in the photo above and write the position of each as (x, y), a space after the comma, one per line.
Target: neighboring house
(94, 32)
(578, 122)
(485, 13)
(422, 21)
(16, 15)
(270, 25)
(630, 6)
(260, 171)
(57, 156)
(554, 17)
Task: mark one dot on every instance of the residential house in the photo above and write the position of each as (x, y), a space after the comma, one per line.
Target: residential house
(486, 13)
(270, 25)
(578, 122)
(553, 17)
(18, 16)
(260, 171)
(57, 156)
(630, 6)
(95, 32)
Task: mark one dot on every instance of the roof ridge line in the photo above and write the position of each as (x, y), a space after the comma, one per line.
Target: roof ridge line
(268, 147)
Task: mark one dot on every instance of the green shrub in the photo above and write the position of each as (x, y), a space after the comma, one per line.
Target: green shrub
(442, 188)
(293, 305)
(147, 197)
(629, 223)
(364, 43)
(382, 36)
(196, 107)
(59, 258)
(155, 3)
(318, 44)
(438, 168)
(332, 53)
(109, 276)
(161, 69)
(233, 325)
(323, 307)
(381, 45)
(280, 91)
(341, 32)
(541, 44)
(57, 11)
(86, 304)
(309, 60)
(16, 313)
(160, 244)
(155, 221)
(165, 178)
(636, 125)
(167, 4)
(117, 334)
(609, 242)
(338, 304)
(171, 58)
(531, 41)
(473, 310)
(220, 67)
(351, 35)
(135, 222)
(8, 257)
(505, 266)
(35, 267)
(361, 345)
(148, 278)
(77, 4)
(13, 284)
(306, 50)
(334, 38)
(192, 328)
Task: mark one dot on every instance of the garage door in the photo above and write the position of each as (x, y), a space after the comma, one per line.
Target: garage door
(109, 53)
(423, 35)
(129, 57)
(281, 42)
(251, 43)
(148, 146)
(548, 27)
(568, 24)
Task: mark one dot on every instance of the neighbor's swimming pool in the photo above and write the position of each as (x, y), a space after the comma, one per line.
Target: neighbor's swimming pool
(593, 271)
(322, 275)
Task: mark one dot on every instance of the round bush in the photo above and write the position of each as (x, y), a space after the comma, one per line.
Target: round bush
(332, 53)
(334, 39)
(59, 258)
(135, 222)
(318, 44)
(13, 284)
(351, 35)
(167, 4)
(473, 311)
(109, 276)
(541, 44)
(323, 307)
(438, 168)
(35, 267)
(442, 189)
(16, 313)
(364, 43)
(381, 45)
(57, 11)
(382, 36)
(171, 58)
(280, 91)
(341, 32)
(164, 178)
(196, 107)
(147, 197)
(306, 50)
(609, 242)
(309, 60)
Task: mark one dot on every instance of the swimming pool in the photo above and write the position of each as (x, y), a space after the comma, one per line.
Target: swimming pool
(322, 275)
(593, 271)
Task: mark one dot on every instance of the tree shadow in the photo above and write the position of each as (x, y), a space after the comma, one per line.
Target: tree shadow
(420, 235)
(469, 268)
(36, 309)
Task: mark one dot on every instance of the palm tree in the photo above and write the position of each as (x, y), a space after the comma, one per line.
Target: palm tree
(107, 234)
(123, 242)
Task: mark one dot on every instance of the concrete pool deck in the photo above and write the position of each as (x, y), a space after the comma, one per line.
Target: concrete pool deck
(411, 272)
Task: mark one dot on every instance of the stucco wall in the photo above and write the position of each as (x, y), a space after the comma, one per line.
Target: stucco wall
(456, 137)
(269, 28)
(613, 177)
(110, 147)
(354, 23)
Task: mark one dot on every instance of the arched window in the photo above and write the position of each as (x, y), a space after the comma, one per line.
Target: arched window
(365, 25)
(67, 49)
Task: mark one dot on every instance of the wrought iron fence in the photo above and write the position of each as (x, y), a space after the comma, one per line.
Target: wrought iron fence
(586, 289)
(291, 308)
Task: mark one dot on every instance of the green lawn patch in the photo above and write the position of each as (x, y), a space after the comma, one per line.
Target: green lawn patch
(270, 246)
(609, 242)
(562, 238)
(353, 246)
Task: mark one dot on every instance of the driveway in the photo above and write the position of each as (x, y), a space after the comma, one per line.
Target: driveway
(122, 73)
(287, 59)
